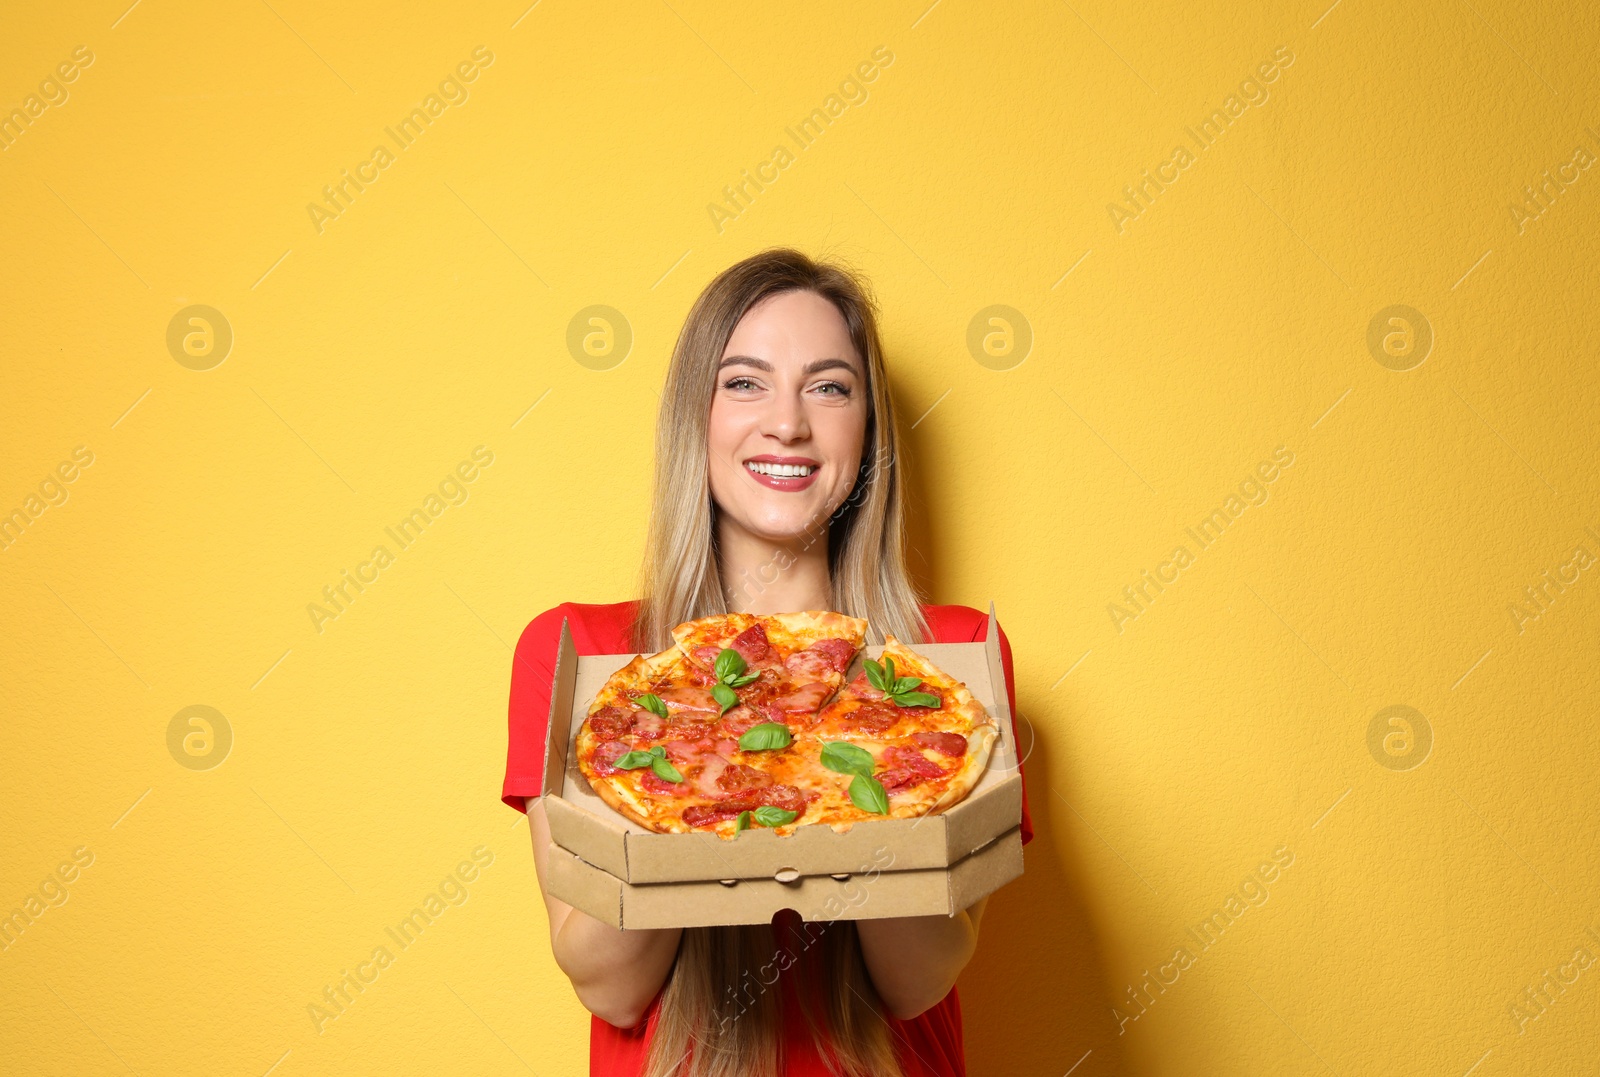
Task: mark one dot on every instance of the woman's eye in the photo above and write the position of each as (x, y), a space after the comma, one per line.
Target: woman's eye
(738, 384)
(833, 388)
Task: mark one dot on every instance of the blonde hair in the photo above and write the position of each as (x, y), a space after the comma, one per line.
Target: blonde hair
(713, 1021)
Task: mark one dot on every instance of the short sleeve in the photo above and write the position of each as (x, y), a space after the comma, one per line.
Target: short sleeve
(1011, 699)
(532, 673)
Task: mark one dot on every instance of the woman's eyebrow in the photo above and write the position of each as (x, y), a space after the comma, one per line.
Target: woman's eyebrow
(810, 368)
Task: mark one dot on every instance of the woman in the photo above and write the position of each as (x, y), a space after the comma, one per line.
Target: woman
(777, 488)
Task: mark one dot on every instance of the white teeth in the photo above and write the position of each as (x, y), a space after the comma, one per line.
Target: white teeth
(782, 471)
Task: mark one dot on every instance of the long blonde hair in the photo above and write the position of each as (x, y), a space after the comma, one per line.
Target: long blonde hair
(713, 1021)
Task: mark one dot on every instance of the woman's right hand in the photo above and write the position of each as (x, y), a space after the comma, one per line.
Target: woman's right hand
(616, 973)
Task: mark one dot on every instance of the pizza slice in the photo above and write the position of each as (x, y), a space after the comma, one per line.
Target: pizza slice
(814, 646)
(906, 777)
(896, 695)
(779, 668)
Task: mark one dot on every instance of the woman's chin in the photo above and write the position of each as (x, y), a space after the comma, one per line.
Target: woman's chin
(786, 527)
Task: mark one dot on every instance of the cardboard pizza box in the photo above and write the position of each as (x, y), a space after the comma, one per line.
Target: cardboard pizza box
(876, 892)
(607, 862)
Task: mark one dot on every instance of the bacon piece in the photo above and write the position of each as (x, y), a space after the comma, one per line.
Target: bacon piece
(737, 721)
(706, 776)
(707, 654)
(839, 652)
(607, 754)
(802, 700)
(690, 725)
(646, 725)
(752, 644)
(951, 744)
(685, 752)
(822, 658)
(738, 778)
(688, 698)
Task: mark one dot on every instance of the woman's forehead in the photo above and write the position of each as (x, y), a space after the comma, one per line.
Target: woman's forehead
(793, 328)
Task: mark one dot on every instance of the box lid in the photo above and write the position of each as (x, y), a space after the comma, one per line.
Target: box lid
(877, 892)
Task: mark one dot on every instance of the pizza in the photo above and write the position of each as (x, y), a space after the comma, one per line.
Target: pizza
(751, 720)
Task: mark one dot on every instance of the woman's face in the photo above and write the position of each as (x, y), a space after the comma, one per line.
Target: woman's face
(788, 418)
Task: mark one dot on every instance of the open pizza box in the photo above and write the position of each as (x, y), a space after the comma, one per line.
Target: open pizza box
(630, 877)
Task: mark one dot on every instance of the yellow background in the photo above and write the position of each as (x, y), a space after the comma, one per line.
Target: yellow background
(1169, 758)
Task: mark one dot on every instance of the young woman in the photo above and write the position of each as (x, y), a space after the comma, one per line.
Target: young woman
(778, 487)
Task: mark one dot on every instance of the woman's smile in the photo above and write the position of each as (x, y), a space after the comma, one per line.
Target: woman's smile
(783, 472)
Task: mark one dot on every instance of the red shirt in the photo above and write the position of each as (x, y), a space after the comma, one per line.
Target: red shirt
(930, 1045)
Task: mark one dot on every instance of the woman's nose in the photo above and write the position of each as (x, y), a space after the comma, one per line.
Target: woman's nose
(786, 418)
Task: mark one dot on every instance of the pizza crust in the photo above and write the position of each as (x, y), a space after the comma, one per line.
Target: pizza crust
(621, 801)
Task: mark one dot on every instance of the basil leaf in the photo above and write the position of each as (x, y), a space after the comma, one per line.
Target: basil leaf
(729, 664)
(916, 699)
(765, 737)
(866, 793)
(633, 760)
(888, 670)
(742, 823)
(724, 697)
(665, 770)
(846, 758)
(744, 679)
(652, 703)
(875, 674)
(903, 685)
(767, 815)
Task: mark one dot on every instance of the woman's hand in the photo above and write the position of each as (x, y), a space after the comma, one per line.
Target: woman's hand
(914, 960)
(615, 973)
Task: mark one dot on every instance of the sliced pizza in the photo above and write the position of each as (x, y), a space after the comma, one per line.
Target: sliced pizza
(747, 721)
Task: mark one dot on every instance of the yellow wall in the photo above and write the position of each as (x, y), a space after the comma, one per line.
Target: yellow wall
(1176, 746)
